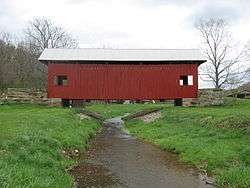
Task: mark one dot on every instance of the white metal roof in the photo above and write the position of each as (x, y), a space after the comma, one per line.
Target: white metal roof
(93, 54)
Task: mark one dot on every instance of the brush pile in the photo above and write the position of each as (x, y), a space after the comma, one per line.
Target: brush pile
(24, 95)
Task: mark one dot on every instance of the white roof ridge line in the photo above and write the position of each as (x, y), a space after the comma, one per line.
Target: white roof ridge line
(83, 54)
(122, 49)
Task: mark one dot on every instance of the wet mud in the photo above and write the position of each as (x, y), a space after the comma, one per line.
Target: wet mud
(117, 159)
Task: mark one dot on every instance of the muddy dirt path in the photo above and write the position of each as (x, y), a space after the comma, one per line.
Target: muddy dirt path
(116, 159)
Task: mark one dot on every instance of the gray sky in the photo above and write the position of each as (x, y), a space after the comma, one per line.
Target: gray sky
(129, 23)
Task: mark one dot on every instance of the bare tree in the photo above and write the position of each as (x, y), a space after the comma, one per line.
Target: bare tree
(5, 37)
(19, 66)
(42, 33)
(248, 75)
(221, 69)
(248, 59)
(5, 56)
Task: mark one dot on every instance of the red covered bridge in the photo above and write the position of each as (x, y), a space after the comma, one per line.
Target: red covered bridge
(122, 74)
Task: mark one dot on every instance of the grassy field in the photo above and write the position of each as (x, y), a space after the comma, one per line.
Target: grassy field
(215, 139)
(32, 139)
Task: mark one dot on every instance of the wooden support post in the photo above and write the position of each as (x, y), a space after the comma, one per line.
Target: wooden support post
(65, 102)
(178, 102)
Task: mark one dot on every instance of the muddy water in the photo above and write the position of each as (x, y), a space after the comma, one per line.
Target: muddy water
(118, 160)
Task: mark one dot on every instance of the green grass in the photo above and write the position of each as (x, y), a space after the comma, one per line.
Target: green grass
(216, 139)
(32, 138)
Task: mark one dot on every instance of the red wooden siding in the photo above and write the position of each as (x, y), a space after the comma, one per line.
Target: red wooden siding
(122, 81)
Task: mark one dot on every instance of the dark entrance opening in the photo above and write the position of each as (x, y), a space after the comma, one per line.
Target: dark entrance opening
(65, 102)
(178, 102)
(61, 80)
(184, 80)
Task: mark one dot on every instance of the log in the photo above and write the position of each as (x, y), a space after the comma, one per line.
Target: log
(141, 113)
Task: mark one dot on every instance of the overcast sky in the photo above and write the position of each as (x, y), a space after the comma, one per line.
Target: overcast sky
(129, 23)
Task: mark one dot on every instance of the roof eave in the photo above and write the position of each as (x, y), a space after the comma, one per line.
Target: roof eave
(123, 61)
(45, 62)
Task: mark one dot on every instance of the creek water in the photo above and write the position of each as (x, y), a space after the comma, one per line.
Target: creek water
(116, 159)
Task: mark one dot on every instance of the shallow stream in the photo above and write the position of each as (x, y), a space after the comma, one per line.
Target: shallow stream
(117, 159)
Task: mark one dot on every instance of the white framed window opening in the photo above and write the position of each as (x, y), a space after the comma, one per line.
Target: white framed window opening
(186, 80)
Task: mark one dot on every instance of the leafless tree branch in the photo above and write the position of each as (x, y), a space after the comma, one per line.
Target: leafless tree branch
(217, 40)
(42, 33)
